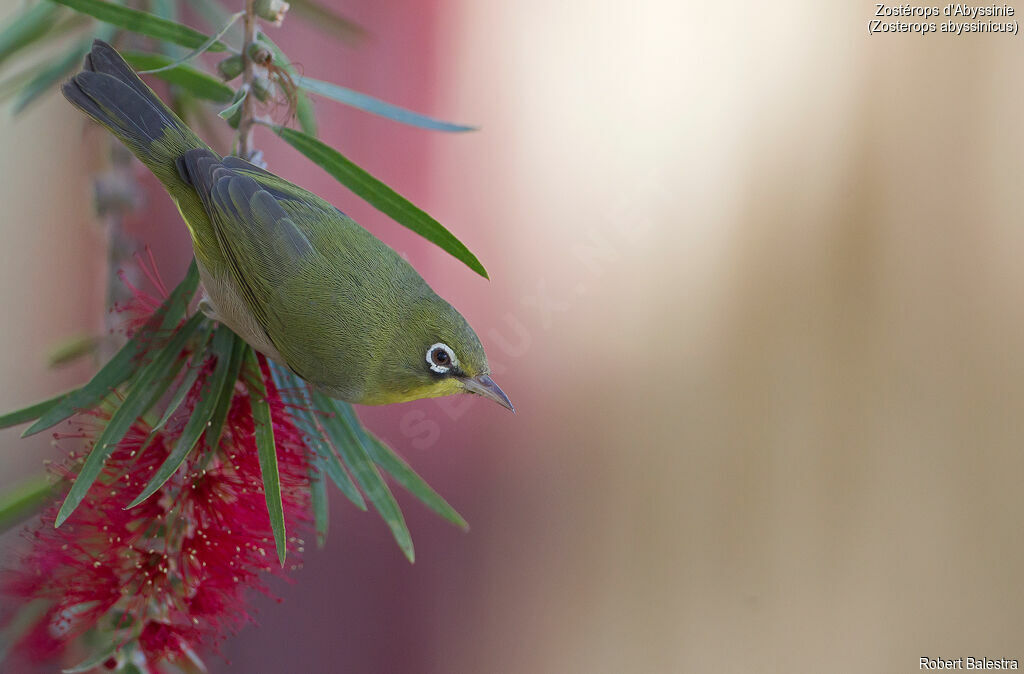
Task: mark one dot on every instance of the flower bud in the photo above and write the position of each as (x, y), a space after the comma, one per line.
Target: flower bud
(271, 10)
(259, 54)
(231, 67)
(262, 87)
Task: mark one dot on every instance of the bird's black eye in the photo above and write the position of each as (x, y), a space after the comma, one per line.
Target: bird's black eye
(441, 358)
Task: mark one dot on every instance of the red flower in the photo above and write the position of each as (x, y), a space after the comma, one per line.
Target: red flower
(171, 574)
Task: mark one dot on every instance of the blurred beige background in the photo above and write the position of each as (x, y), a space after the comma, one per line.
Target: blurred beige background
(758, 297)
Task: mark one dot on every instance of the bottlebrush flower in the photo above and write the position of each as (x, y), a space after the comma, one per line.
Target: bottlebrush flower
(136, 588)
(154, 583)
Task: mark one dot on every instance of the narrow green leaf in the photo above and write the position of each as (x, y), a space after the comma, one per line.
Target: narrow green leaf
(318, 494)
(32, 23)
(267, 451)
(148, 385)
(379, 195)
(195, 368)
(226, 395)
(22, 500)
(386, 458)
(196, 82)
(198, 50)
(165, 9)
(336, 471)
(376, 106)
(326, 20)
(183, 388)
(233, 113)
(294, 392)
(212, 13)
(123, 364)
(143, 23)
(209, 399)
(304, 111)
(32, 412)
(46, 79)
(348, 444)
(42, 78)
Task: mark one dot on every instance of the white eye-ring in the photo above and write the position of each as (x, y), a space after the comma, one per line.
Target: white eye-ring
(441, 358)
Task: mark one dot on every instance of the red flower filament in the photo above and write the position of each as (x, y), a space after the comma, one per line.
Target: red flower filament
(157, 581)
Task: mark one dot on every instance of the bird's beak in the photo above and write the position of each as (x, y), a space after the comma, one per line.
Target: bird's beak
(485, 386)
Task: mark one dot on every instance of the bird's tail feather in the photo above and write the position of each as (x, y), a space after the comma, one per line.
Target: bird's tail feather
(110, 92)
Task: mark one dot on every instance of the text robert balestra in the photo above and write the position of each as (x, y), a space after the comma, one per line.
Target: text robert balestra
(968, 663)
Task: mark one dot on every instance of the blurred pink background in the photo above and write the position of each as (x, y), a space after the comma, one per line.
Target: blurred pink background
(756, 293)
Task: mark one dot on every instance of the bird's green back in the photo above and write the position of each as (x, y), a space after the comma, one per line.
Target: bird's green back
(287, 271)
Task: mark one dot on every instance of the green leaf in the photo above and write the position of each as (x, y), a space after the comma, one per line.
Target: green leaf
(143, 23)
(19, 502)
(267, 451)
(303, 106)
(165, 9)
(148, 385)
(379, 195)
(193, 80)
(124, 363)
(181, 392)
(32, 412)
(295, 394)
(209, 399)
(233, 113)
(305, 113)
(32, 23)
(326, 20)
(378, 107)
(351, 448)
(195, 368)
(43, 78)
(46, 79)
(386, 458)
(198, 50)
(211, 12)
(336, 471)
(226, 395)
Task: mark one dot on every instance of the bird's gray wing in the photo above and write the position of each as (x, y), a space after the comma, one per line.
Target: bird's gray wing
(263, 245)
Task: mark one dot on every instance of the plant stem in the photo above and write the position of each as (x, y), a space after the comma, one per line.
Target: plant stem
(245, 124)
(116, 193)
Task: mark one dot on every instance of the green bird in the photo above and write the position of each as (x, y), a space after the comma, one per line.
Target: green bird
(291, 274)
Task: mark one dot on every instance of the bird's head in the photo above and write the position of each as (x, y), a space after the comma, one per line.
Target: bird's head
(433, 353)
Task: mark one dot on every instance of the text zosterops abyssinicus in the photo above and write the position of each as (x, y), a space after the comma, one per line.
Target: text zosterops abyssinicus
(292, 275)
